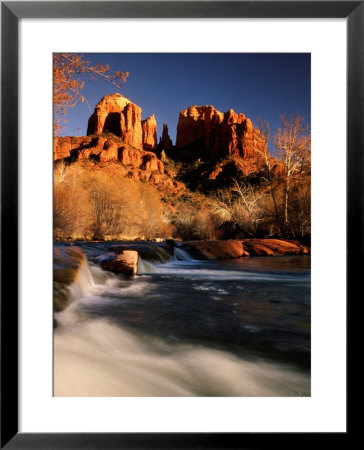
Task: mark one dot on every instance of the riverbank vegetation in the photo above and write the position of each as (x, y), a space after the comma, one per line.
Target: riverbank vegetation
(93, 203)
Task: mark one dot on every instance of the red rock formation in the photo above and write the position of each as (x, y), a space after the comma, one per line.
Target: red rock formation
(126, 262)
(270, 247)
(148, 161)
(166, 142)
(248, 247)
(149, 127)
(220, 134)
(62, 146)
(102, 149)
(215, 249)
(118, 115)
(81, 148)
(129, 156)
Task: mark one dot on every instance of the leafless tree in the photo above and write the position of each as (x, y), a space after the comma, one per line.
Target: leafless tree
(240, 205)
(293, 143)
(263, 138)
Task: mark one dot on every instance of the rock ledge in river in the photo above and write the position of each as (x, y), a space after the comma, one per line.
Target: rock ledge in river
(125, 262)
(214, 249)
(67, 261)
(272, 247)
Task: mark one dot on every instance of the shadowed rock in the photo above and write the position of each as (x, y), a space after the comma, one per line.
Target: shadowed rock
(125, 263)
(67, 262)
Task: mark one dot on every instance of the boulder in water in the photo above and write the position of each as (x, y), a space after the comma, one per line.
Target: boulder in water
(214, 249)
(125, 262)
(66, 264)
(153, 252)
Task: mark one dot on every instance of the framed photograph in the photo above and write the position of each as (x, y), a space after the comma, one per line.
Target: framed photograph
(171, 224)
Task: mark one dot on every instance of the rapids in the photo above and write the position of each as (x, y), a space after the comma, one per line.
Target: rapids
(183, 327)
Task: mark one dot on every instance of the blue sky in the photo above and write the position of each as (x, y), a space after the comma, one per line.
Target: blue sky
(260, 85)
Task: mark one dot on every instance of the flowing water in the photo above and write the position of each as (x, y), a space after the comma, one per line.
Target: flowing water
(183, 327)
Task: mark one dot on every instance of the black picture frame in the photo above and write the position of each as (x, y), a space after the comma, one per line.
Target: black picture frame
(11, 12)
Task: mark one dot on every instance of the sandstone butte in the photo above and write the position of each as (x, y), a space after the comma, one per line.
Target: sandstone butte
(118, 115)
(116, 132)
(149, 128)
(220, 134)
(129, 141)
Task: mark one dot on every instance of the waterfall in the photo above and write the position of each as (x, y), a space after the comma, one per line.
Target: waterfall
(161, 253)
(145, 267)
(182, 255)
(84, 282)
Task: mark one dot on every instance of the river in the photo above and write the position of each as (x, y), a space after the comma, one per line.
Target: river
(183, 327)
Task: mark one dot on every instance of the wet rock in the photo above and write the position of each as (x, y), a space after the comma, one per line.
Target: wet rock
(214, 249)
(126, 262)
(170, 244)
(149, 252)
(271, 247)
(66, 264)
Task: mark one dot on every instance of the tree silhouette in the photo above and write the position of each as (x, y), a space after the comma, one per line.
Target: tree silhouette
(68, 82)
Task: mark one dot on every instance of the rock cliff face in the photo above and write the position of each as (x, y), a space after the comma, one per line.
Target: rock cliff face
(118, 115)
(147, 161)
(136, 164)
(166, 141)
(75, 148)
(223, 146)
(218, 134)
(149, 128)
(101, 149)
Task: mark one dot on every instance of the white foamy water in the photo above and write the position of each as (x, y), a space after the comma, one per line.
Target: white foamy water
(146, 266)
(97, 358)
(84, 283)
(185, 268)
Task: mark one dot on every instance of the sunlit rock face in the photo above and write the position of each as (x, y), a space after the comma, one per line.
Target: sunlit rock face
(270, 247)
(117, 115)
(215, 249)
(218, 135)
(74, 148)
(149, 128)
(147, 161)
(125, 262)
